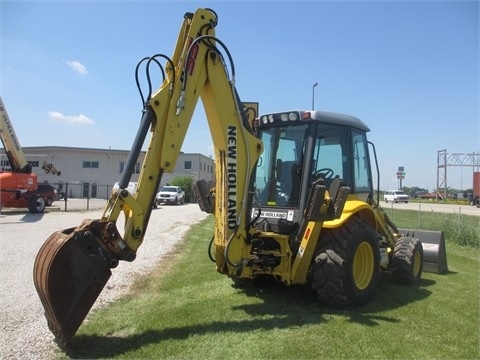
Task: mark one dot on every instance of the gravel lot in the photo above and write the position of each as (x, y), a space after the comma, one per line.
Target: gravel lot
(24, 333)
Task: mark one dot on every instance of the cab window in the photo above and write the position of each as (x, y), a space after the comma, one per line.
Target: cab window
(361, 163)
(330, 154)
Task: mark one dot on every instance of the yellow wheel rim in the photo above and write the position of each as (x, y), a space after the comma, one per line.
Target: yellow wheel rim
(363, 265)
(416, 263)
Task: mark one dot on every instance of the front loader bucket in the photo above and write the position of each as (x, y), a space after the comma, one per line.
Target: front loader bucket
(434, 254)
(69, 273)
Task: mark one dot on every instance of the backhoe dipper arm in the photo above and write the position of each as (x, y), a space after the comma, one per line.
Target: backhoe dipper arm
(73, 265)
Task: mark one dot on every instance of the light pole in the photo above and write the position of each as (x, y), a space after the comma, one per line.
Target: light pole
(313, 95)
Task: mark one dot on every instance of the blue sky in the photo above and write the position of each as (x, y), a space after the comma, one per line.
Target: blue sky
(409, 69)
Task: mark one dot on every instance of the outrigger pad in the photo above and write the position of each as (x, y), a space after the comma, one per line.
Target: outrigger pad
(434, 253)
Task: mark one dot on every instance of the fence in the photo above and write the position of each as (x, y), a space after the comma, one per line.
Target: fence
(83, 190)
(76, 204)
(81, 196)
(87, 196)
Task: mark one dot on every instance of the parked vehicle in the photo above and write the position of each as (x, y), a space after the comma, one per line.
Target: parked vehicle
(61, 195)
(131, 188)
(48, 192)
(170, 195)
(395, 196)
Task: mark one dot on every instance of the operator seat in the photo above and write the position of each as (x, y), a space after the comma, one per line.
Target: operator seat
(290, 181)
(296, 176)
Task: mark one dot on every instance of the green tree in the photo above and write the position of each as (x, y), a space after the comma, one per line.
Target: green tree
(186, 183)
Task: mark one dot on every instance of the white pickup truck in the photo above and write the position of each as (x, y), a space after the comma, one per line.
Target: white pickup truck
(170, 195)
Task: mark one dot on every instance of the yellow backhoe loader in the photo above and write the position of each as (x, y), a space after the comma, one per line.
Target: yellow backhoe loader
(293, 197)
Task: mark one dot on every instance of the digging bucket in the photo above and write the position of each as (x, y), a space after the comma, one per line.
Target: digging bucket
(69, 273)
(434, 253)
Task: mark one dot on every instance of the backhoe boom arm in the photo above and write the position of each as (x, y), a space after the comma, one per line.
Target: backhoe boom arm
(197, 69)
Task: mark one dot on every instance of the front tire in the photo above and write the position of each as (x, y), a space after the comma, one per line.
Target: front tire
(346, 270)
(407, 264)
(36, 204)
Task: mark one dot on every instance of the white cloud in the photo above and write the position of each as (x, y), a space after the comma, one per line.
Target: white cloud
(77, 67)
(70, 119)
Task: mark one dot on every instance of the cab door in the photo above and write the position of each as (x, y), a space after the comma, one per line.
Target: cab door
(362, 173)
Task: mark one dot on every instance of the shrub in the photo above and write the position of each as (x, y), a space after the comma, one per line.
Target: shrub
(461, 229)
(186, 183)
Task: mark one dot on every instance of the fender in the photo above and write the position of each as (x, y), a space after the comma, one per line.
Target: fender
(353, 206)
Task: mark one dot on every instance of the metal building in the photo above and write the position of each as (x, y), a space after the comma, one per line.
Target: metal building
(85, 172)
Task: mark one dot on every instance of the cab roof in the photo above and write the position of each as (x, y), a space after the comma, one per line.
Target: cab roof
(326, 117)
(341, 119)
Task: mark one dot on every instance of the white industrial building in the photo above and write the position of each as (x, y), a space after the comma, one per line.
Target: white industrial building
(84, 172)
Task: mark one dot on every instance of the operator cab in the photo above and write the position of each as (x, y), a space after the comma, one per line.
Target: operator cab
(301, 147)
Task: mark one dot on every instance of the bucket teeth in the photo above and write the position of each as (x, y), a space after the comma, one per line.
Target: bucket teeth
(70, 271)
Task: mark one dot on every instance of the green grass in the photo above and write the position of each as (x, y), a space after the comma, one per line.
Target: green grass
(460, 229)
(186, 310)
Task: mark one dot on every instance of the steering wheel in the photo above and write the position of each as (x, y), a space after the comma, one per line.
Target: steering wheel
(325, 173)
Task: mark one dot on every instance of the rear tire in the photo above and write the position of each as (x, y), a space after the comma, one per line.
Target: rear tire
(346, 270)
(407, 264)
(36, 204)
